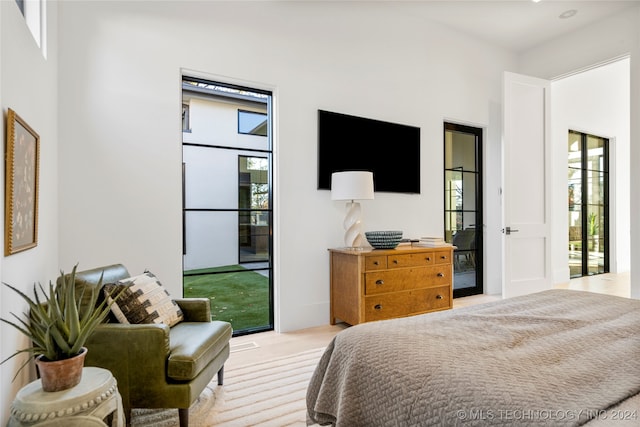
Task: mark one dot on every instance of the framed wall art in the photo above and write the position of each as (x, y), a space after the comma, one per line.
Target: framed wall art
(21, 181)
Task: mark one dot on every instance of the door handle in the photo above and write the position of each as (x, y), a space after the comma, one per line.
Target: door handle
(508, 231)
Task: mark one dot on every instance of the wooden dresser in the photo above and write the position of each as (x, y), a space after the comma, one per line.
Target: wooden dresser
(377, 284)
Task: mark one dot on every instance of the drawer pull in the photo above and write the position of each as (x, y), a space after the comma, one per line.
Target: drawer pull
(379, 282)
(395, 261)
(378, 306)
(443, 257)
(439, 297)
(428, 258)
(440, 274)
(376, 263)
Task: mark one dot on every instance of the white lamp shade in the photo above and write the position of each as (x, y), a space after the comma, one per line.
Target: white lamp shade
(352, 185)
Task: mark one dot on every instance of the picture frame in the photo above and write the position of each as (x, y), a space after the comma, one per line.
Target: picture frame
(22, 170)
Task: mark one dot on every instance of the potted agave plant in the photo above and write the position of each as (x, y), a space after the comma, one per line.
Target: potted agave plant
(58, 327)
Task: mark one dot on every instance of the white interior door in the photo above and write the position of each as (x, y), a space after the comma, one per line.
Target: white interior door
(526, 184)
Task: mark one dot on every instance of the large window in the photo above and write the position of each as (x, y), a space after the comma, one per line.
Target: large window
(588, 198)
(228, 214)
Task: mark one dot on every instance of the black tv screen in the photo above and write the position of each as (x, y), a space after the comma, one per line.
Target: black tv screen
(349, 143)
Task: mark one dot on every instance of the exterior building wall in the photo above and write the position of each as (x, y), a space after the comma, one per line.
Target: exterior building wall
(212, 180)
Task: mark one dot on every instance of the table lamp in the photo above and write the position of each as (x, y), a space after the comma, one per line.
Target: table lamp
(352, 186)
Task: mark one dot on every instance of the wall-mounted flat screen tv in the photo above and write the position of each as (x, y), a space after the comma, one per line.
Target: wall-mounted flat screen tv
(390, 150)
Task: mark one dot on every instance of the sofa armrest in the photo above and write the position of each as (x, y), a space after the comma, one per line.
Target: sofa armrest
(195, 309)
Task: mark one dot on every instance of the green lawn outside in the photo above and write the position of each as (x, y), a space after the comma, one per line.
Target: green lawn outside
(241, 298)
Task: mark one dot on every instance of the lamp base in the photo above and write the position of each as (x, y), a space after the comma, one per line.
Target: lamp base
(351, 224)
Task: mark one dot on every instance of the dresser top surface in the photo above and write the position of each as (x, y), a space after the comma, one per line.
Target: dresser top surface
(367, 251)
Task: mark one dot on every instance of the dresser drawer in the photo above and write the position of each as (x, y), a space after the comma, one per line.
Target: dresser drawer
(410, 260)
(407, 303)
(406, 279)
(442, 257)
(375, 262)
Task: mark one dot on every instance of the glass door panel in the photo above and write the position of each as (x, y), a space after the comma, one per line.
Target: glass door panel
(575, 243)
(253, 203)
(588, 204)
(596, 239)
(460, 151)
(463, 206)
(575, 205)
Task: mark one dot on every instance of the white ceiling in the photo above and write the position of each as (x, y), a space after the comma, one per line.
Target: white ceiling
(517, 25)
(521, 24)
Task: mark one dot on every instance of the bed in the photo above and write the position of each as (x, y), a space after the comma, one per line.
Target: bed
(558, 357)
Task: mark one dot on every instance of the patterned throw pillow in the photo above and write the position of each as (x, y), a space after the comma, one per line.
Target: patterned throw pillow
(145, 300)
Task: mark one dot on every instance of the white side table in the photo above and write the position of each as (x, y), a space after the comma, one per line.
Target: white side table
(96, 396)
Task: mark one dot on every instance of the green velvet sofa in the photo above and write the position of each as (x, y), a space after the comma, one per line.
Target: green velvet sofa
(157, 366)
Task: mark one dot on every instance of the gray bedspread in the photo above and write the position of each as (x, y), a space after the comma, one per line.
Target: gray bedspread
(557, 357)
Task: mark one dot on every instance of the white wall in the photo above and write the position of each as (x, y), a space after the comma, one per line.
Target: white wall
(611, 38)
(28, 85)
(596, 102)
(120, 122)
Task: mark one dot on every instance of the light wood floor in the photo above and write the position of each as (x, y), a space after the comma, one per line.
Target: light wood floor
(253, 348)
(609, 283)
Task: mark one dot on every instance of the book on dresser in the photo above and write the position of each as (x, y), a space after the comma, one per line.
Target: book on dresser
(378, 284)
(431, 242)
